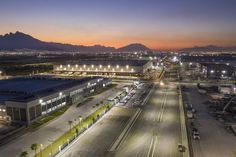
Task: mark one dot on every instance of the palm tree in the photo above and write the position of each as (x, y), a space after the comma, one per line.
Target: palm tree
(34, 147)
(24, 154)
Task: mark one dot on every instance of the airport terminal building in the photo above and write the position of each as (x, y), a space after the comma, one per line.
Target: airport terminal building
(106, 67)
(23, 100)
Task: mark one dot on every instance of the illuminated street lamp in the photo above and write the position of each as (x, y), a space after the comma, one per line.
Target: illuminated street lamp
(162, 83)
(127, 66)
(117, 66)
(60, 94)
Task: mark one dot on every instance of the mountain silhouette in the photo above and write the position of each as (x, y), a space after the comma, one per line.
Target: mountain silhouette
(19, 41)
(133, 47)
(209, 48)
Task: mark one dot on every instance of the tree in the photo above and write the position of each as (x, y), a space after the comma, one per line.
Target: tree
(24, 154)
(70, 123)
(77, 131)
(34, 147)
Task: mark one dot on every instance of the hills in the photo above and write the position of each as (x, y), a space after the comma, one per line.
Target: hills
(212, 48)
(19, 41)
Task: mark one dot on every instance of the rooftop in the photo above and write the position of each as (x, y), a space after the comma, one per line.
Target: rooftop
(27, 89)
(112, 62)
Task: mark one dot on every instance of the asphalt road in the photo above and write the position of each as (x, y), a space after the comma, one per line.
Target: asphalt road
(98, 139)
(156, 132)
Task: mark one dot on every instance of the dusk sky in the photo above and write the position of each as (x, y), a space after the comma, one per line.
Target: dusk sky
(159, 24)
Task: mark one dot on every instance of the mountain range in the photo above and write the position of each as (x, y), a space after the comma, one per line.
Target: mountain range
(209, 48)
(19, 41)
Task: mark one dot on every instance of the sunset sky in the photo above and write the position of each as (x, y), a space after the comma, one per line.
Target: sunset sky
(159, 24)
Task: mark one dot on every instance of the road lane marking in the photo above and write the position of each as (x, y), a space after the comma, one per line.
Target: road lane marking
(126, 131)
(160, 115)
(152, 147)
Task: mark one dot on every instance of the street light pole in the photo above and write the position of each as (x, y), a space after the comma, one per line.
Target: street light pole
(50, 146)
(41, 146)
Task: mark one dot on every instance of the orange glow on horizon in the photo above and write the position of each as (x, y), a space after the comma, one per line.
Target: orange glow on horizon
(163, 43)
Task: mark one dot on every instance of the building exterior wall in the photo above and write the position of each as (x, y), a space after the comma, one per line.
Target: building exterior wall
(3, 113)
(102, 69)
(27, 112)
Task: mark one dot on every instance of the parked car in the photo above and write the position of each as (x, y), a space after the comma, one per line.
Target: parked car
(196, 135)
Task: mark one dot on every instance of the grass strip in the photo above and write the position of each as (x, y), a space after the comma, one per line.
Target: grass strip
(49, 117)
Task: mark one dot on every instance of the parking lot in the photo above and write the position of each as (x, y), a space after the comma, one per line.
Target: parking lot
(215, 140)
